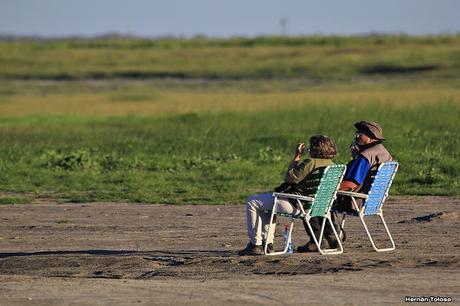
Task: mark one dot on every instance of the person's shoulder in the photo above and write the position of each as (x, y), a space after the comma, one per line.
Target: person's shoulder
(308, 161)
(375, 150)
(381, 147)
(384, 148)
(375, 147)
(322, 161)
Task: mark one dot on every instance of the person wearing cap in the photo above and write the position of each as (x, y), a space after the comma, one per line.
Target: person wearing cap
(368, 153)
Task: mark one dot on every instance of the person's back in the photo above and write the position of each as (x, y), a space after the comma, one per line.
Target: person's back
(376, 155)
(309, 183)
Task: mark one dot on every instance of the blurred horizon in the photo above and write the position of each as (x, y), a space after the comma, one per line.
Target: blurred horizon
(211, 19)
(122, 36)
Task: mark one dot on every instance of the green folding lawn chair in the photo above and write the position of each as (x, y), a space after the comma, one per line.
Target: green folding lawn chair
(320, 206)
(373, 200)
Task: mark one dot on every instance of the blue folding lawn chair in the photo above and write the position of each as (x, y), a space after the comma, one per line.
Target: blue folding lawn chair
(321, 204)
(373, 201)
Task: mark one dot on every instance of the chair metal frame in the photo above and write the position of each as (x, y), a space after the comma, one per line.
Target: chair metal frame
(376, 197)
(316, 210)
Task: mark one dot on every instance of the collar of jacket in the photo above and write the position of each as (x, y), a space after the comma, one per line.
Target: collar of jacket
(369, 145)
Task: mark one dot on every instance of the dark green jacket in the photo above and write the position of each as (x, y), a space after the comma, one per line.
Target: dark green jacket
(306, 175)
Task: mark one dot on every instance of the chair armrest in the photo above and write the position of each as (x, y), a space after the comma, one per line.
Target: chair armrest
(293, 196)
(353, 194)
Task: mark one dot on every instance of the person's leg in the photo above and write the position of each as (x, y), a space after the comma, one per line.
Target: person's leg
(315, 223)
(255, 207)
(329, 232)
(283, 206)
(342, 203)
(258, 221)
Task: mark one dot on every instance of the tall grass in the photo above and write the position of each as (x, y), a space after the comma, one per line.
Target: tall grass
(102, 98)
(199, 144)
(214, 120)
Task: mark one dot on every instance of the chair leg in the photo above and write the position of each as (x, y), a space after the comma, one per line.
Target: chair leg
(327, 251)
(339, 240)
(270, 230)
(342, 225)
(307, 221)
(386, 230)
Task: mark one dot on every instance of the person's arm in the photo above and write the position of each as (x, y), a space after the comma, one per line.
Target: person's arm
(294, 163)
(348, 185)
(297, 172)
(356, 172)
(354, 149)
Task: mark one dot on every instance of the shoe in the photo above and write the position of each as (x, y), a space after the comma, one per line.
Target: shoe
(251, 249)
(270, 248)
(311, 246)
(332, 241)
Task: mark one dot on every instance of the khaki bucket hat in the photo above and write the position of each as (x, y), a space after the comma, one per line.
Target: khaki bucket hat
(370, 128)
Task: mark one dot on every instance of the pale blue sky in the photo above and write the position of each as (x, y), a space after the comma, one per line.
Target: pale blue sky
(155, 18)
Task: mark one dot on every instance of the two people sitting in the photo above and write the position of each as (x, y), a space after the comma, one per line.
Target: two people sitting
(303, 177)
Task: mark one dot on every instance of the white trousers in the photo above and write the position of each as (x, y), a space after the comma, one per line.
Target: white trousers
(258, 220)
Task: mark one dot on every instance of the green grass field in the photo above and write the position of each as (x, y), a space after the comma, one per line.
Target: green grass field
(217, 141)
(322, 58)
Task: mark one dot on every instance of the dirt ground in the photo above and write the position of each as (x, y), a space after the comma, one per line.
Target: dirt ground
(143, 254)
